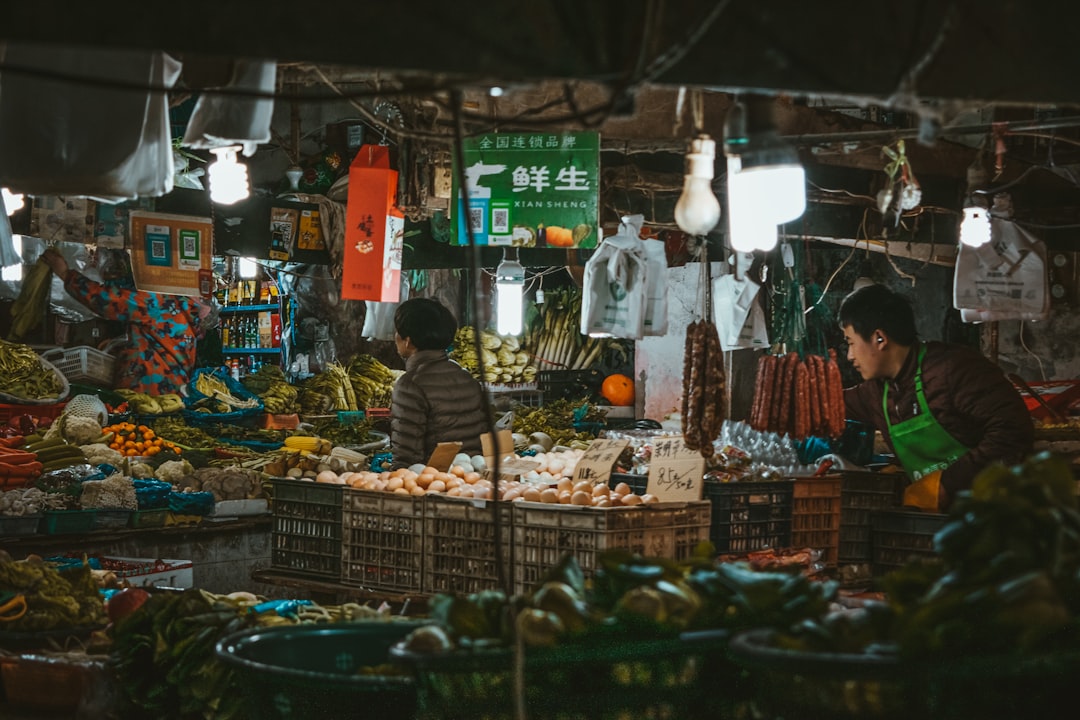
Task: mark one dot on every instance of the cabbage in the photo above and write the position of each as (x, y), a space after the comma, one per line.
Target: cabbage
(490, 341)
(490, 358)
(506, 357)
(521, 358)
(511, 343)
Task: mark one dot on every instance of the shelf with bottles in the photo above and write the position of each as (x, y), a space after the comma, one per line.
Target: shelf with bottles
(268, 307)
(251, 351)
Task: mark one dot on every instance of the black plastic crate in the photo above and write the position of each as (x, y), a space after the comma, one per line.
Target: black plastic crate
(749, 516)
(903, 535)
(637, 483)
(861, 493)
(569, 384)
(306, 531)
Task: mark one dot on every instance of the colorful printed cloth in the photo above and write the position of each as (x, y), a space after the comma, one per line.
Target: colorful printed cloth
(160, 353)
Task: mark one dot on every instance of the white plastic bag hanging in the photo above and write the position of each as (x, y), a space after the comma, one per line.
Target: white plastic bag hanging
(613, 297)
(220, 119)
(379, 316)
(739, 319)
(656, 301)
(1004, 279)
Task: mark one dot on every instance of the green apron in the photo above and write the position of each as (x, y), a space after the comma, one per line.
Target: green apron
(921, 445)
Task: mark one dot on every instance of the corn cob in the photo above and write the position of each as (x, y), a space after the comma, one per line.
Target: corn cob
(309, 443)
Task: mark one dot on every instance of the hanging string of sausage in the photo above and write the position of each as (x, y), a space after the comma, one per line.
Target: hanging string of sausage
(797, 396)
(704, 398)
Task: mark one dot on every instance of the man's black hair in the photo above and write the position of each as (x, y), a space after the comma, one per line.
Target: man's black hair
(428, 323)
(876, 307)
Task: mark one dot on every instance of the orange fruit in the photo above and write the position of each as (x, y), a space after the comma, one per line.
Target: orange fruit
(618, 389)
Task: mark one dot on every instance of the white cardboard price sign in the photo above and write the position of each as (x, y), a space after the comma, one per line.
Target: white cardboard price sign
(676, 473)
(596, 464)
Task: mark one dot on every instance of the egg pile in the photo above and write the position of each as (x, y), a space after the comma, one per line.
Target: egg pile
(550, 482)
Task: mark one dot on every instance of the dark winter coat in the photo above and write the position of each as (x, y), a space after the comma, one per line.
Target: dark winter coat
(436, 400)
(968, 396)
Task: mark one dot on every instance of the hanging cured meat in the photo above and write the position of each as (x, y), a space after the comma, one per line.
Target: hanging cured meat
(798, 397)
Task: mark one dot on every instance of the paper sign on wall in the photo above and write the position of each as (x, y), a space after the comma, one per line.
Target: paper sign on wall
(676, 473)
(597, 462)
(170, 253)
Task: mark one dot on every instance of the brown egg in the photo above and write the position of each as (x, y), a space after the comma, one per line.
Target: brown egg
(581, 498)
(550, 495)
(533, 495)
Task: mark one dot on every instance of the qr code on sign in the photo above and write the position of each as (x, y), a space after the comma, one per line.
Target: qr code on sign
(476, 219)
(500, 220)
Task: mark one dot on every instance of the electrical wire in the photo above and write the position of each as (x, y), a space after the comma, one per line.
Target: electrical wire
(854, 249)
(667, 59)
(1023, 344)
(478, 299)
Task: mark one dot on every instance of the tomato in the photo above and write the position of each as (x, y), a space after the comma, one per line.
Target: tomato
(126, 602)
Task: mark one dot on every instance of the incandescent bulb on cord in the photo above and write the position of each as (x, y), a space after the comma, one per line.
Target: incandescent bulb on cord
(698, 210)
(228, 178)
(975, 227)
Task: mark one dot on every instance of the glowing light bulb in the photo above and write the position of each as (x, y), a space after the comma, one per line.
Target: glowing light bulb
(975, 227)
(13, 202)
(228, 178)
(776, 193)
(509, 289)
(750, 227)
(248, 268)
(698, 210)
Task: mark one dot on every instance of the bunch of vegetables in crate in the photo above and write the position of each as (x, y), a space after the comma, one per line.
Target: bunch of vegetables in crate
(504, 359)
(649, 636)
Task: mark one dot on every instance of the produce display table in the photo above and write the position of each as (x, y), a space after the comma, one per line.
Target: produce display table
(332, 593)
(223, 553)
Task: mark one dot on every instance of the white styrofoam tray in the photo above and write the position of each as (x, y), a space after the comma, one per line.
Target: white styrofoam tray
(167, 573)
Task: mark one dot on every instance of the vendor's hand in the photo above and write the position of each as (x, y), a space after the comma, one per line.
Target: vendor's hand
(55, 260)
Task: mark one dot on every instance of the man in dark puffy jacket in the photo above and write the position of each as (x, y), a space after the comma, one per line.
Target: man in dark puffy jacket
(945, 410)
(436, 400)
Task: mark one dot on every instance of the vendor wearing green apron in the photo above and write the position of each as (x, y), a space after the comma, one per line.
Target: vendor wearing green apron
(944, 410)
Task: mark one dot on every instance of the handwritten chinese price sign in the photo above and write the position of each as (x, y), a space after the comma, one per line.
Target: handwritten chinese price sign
(676, 473)
(597, 462)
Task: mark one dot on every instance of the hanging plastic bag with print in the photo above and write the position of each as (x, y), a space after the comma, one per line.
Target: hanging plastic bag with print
(739, 319)
(1004, 279)
(614, 290)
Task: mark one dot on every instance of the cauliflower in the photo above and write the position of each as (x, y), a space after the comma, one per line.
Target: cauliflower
(141, 470)
(114, 492)
(99, 453)
(79, 430)
(173, 471)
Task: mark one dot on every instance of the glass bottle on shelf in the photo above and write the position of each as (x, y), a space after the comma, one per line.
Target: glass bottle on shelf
(225, 334)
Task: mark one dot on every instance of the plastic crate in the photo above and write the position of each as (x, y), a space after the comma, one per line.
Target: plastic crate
(860, 494)
(306, 528)
(815, 515)
(605, 677)
(49, 682)
(50, 412)
(149, 518)
(459, 536)
(902, 535)
(13, 526)
(83, 364)
(637, 483)
(383, 541)
(750, 516)
(61, 522)
(111, 519)
(543, 533)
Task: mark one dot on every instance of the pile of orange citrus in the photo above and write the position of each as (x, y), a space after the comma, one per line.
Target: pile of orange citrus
(132, 440)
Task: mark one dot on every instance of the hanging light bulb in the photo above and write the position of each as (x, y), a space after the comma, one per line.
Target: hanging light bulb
(975, 227)
(698, 210)
(13, 202)
(293, 174)
(509, 289)
(248, 268)
(228, 178)
(748, 228)
(765, 177)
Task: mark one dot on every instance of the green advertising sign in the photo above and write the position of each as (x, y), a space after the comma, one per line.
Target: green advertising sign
(531, 189)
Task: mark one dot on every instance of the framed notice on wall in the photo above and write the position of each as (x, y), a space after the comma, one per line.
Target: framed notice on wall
(170, 252)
